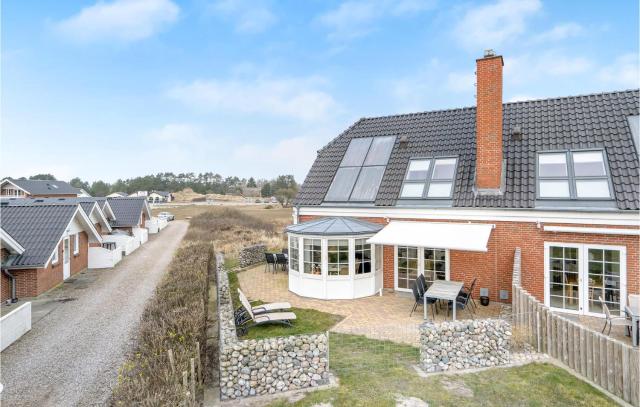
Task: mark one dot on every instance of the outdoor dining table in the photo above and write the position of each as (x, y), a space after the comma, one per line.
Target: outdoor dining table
(443, 290)
(634, 310)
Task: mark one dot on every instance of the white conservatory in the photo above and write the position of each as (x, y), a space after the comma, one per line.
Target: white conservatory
(330, 258)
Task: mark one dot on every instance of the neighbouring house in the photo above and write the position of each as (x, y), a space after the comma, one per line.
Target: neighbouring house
(55, 238)
(160, 197)
(103, 254)
(117, 195)
(26, 188)
(450, 194)
(83, 193)
(139, 193)
(10, 248)
(131, 215)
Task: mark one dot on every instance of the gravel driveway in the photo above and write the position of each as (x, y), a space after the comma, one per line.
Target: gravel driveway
(72, 355)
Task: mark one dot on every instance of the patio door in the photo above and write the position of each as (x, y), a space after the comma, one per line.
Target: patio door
(578, 275)
(413, 261)
(66, 259)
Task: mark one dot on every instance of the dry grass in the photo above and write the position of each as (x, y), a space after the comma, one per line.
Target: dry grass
(175, 318)
(231, 229)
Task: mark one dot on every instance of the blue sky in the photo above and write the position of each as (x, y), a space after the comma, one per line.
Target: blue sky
(115, 89)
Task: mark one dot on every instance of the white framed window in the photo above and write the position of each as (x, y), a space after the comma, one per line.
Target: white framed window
(76, 244)
(312, 256)
(338, 257)
(54, 259)
(429, 178)
(410, 262)
(580, 174)
(362, 256)
(294, 263)
(578, 275)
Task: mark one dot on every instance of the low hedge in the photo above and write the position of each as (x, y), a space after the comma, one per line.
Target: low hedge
(175, 318)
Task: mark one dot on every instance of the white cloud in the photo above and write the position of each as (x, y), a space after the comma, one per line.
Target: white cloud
(461, 81)
(356, 18)
(521, 98)
(299, 98)
(491, 25)
(250, 16)
(623, 73)
(527, 68)
(175, 132)
(300, 152)
(560, 32)
(119, 20)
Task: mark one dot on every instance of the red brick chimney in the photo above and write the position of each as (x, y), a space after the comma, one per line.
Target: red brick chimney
(489, 122)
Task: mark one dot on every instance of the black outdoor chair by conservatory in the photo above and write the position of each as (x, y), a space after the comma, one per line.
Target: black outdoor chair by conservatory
(468, 292)
(271, 261)
(285, 251)
(462, 303)
(282, 261)
(420, 299)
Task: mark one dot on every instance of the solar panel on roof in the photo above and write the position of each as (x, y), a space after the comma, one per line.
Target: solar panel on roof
(342, 184)
(358, 148)
(366, 187)
(380, 150)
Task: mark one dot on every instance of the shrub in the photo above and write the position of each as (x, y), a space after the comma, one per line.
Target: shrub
(230, 230)
(175, 318)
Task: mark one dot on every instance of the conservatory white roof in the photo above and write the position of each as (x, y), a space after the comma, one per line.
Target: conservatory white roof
(455, 236)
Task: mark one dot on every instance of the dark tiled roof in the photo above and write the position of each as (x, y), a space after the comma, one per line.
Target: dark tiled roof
(127, 210)
(86, 203)
(335, 226)
(38, 228)
(589, 121)
(41, 187)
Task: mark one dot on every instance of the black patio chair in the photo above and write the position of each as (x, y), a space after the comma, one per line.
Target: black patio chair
(271, 261)
(462, 303)
(468, 292)
(420, 299)
(285, 251)
(282, 261)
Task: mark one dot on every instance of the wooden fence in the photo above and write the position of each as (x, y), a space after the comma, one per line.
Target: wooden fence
(611, 364)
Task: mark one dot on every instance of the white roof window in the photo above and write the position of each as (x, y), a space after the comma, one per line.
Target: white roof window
(429, 178)
(580, 174)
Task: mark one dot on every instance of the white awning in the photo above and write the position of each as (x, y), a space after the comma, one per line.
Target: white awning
(454, 236)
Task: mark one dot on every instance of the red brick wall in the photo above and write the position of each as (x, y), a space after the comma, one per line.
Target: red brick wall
(489, 123)
(494, 268)
(33, 282)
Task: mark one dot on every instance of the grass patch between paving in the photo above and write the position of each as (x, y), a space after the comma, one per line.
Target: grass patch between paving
(308, 321)
(373, 372)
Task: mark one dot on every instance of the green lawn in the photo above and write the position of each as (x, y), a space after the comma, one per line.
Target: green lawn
(373, 372)
(308, 321)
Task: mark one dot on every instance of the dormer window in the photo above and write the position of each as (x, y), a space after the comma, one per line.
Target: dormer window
(429, 178)
(573, 175)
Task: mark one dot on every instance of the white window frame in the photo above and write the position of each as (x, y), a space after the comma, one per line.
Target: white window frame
(297, 240)
(572, 179)
(76, 244)
(55, 259)
(420, 265)
(429, 180)
(583, 276)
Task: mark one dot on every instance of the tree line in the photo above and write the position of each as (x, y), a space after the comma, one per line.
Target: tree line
(283, 187)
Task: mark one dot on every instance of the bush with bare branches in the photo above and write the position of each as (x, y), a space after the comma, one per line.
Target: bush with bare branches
(174, 320)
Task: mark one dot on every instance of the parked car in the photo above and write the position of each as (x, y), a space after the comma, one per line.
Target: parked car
(166, 215)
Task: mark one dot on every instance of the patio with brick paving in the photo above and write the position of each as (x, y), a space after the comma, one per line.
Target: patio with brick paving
(377, 317)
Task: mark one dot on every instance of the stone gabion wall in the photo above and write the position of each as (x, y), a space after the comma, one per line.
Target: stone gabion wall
(266, 366)
(464, 344)
(251, 255)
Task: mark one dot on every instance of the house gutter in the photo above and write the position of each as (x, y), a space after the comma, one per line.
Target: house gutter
(13, 285)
